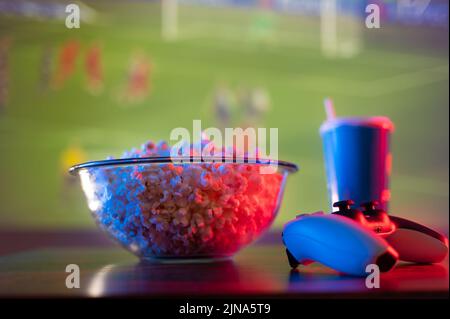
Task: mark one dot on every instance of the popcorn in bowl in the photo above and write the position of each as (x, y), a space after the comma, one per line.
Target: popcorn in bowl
(160, 208)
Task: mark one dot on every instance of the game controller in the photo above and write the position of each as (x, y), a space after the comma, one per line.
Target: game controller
(414, 242)
(349, 239)
(336, 242)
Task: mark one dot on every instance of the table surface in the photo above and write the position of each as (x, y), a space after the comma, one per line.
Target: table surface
(34, 264)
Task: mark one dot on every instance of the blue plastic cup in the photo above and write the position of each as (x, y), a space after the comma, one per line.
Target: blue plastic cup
(358, 159)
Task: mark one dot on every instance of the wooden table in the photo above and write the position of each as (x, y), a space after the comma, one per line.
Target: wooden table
(33, 265)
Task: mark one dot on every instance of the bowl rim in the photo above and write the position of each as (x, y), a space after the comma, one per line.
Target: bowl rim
(291, 167)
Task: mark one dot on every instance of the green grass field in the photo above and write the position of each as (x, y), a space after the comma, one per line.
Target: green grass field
(401, 72)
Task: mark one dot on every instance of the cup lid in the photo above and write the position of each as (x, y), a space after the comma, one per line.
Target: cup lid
(371, 121)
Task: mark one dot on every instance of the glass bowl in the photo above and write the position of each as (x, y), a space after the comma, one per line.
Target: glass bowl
(183, 208)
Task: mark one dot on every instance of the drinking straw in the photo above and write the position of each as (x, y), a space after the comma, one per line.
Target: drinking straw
(329, 108)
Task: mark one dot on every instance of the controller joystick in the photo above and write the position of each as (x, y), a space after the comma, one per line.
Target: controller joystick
(344, 205)
(371, 207)
(372, 212)
(344, 209)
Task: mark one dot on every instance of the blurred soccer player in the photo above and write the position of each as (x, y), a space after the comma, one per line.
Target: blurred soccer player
(263, 24)
(66, 63)
(256, 107)
(46, 68)
(94, 69)
(5, 45)
(222, 106)
(138, 85)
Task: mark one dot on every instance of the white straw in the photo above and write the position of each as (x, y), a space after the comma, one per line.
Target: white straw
(329, 108)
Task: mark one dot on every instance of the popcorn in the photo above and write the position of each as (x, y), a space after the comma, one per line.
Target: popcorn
(184, 209)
